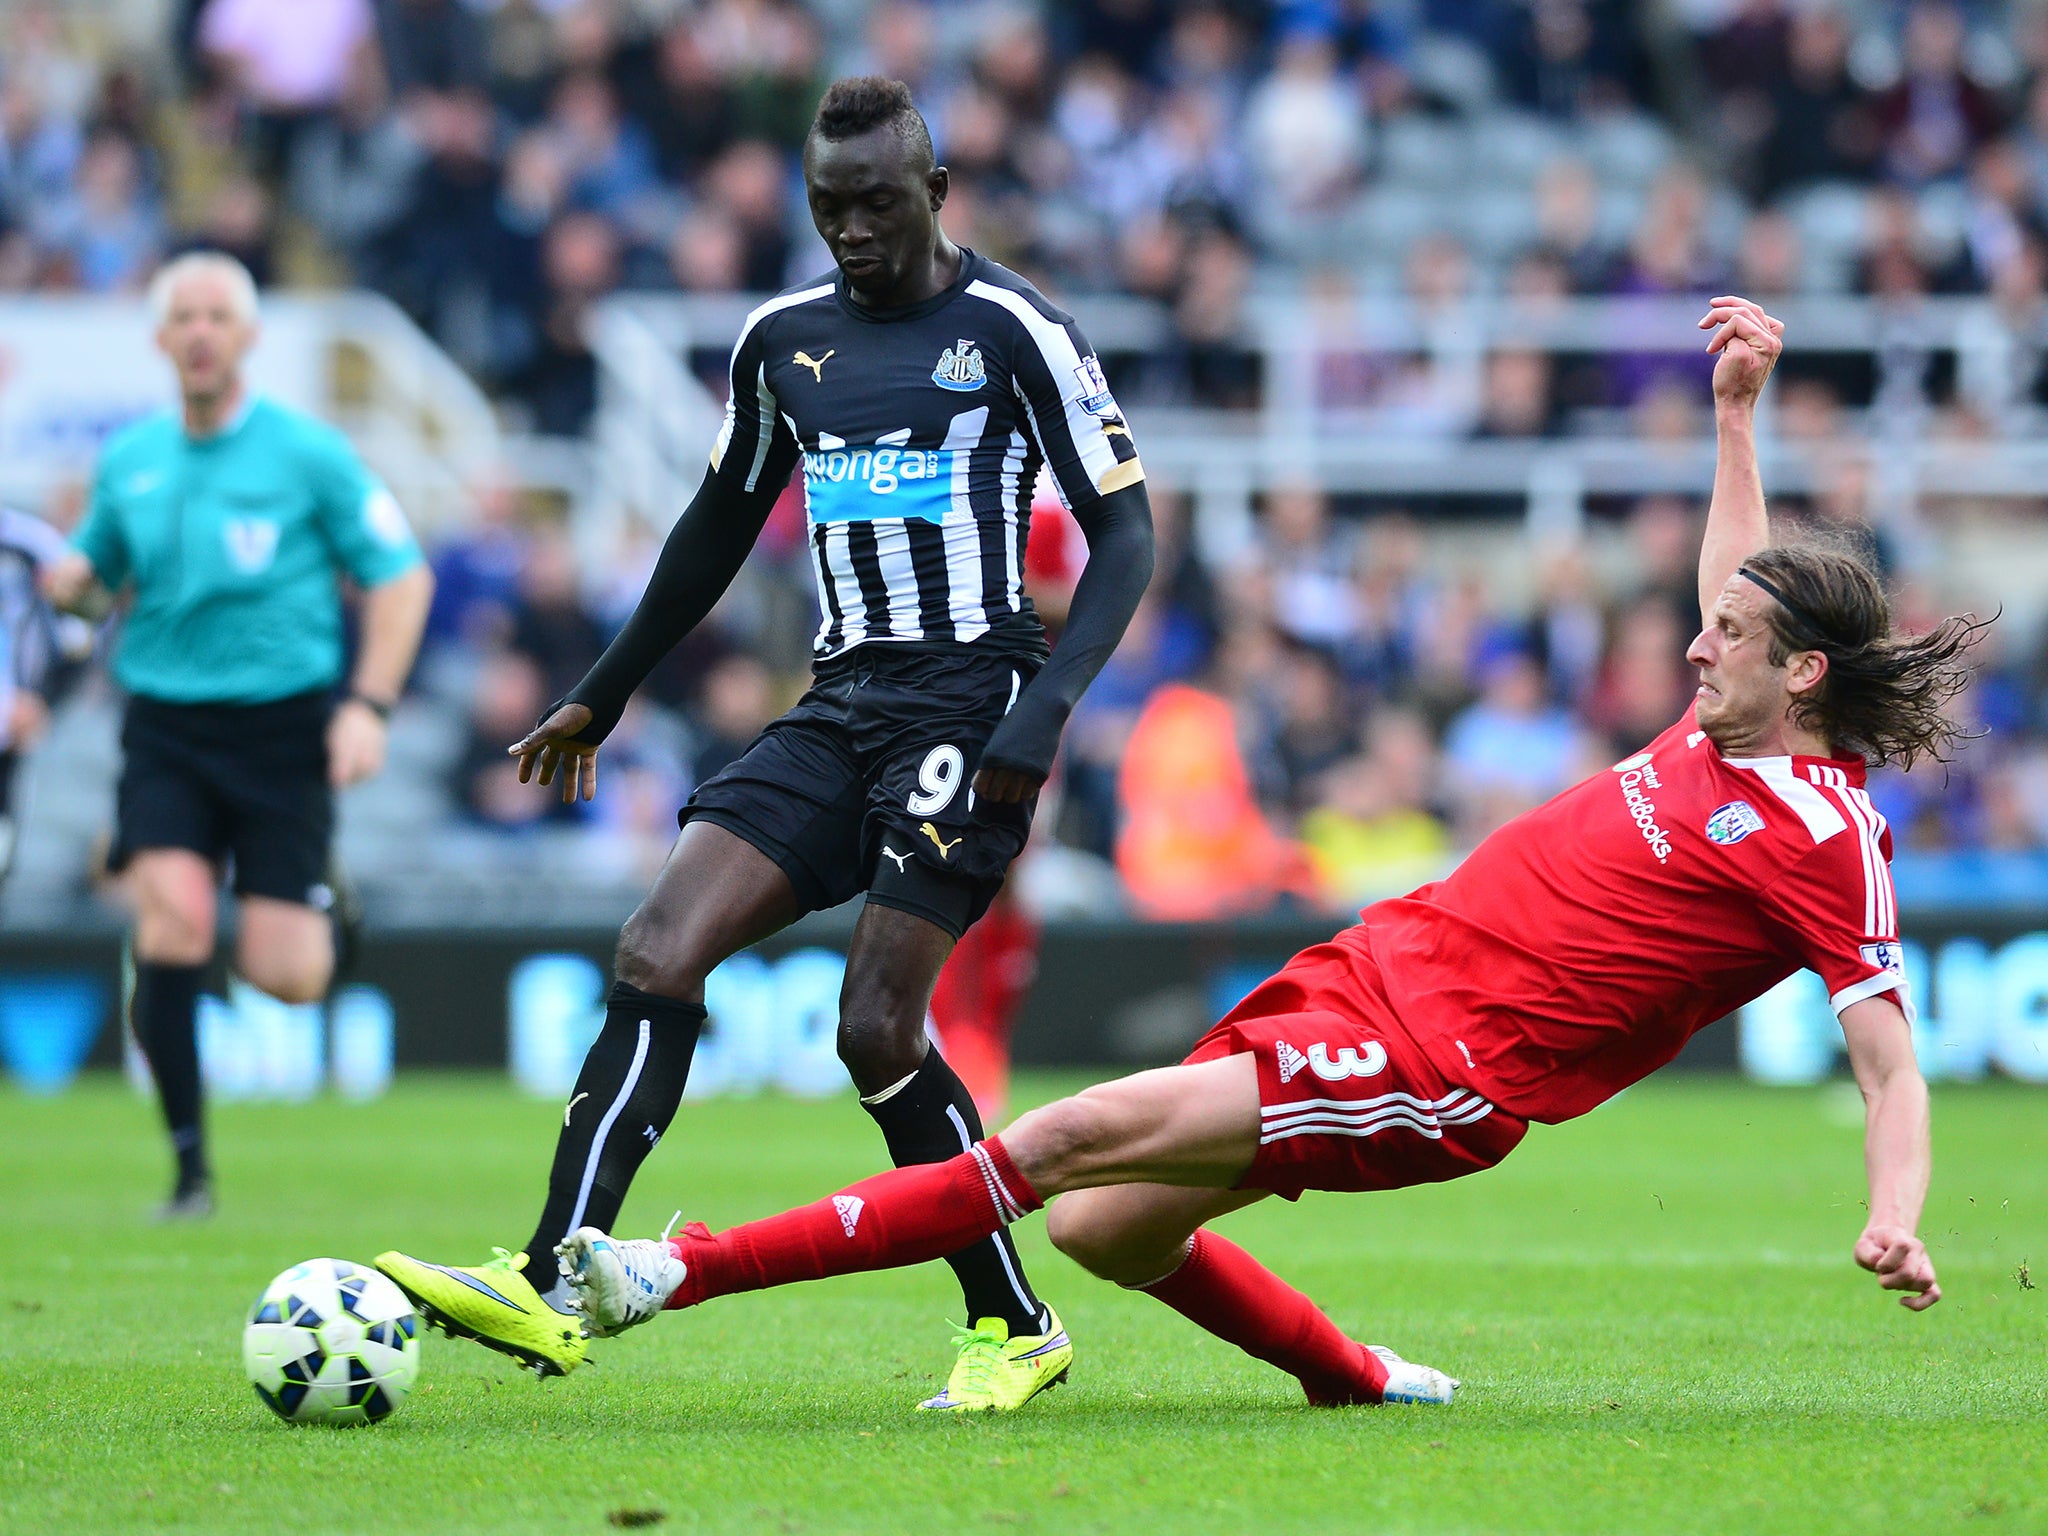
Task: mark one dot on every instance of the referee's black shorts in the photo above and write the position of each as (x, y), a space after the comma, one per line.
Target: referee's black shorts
(246, 782)
(866, 785)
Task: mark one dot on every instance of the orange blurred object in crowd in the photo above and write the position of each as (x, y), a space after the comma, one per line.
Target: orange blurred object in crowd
(1195, 844)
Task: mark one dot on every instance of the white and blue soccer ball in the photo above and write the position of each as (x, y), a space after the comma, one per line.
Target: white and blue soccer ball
(330, 1342)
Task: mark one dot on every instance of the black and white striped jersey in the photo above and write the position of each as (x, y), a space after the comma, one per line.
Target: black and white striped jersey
(921, 432)
(31, 632)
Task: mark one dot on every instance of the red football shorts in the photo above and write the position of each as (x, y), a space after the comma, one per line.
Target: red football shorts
(1347, 1101)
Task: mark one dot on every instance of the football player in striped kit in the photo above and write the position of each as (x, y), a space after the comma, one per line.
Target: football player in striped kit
(919, 388)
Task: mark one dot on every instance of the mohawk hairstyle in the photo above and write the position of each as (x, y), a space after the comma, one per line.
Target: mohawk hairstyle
(861, 103)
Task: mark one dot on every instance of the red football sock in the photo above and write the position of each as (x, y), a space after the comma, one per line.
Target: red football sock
(1222, 1288)
(905, 1216)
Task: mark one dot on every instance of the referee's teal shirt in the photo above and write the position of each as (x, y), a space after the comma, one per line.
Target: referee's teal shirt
(236, 545)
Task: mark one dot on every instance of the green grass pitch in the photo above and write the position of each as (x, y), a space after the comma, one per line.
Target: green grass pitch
(1653, 1309)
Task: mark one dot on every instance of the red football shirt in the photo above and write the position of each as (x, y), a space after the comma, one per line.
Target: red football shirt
(1579, 947)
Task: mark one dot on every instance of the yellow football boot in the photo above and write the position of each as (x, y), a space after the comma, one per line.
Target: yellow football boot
(996, 1373)
(494, 1304)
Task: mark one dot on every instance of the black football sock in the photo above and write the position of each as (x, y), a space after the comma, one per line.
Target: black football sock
(624, 1099)
(164, 1013)
(928, 1118)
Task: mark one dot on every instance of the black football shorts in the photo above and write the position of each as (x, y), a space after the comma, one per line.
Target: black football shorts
(247, 781)
(866, 785)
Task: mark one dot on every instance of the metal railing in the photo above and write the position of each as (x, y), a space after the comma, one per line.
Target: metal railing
(85, 366)
(656, 420)
(420, 420)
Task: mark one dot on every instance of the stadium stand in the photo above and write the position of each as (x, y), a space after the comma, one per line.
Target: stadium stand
(1396, 295)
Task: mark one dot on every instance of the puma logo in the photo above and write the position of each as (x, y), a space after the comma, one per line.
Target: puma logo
(815, 364)
(566, 1108)
(1115, 429)
(902, 859)
(945, 848)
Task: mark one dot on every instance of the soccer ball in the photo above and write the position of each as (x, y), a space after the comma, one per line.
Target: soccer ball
(330, 1342)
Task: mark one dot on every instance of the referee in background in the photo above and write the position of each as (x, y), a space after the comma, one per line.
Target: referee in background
(233, 523)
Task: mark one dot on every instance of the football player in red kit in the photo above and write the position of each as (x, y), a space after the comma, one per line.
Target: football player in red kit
(1573, 953)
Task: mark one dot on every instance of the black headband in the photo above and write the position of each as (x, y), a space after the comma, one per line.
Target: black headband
(1812, 625)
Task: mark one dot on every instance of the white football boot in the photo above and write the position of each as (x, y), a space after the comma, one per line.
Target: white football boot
(615, 1283)
(1408, 1382)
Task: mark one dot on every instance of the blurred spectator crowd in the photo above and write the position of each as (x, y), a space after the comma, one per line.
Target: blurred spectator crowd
(1331, 712)
(496, 166)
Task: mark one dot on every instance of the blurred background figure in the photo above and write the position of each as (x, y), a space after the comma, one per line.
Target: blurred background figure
(38, 647)
(244, 714)
(974, 1007)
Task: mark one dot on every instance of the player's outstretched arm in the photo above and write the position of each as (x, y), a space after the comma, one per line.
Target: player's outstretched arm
(1118, 528)
(1896, 1154)
(1747, 343)
(704, 551)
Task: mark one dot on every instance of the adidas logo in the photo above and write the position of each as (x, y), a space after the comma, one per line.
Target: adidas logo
(1291, 1061)
(849, 1208)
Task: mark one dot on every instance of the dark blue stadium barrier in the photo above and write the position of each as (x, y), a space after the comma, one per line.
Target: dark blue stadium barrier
(1109, 995)
(49, 1020)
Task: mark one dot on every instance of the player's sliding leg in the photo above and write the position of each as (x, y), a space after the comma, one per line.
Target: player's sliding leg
(1150, 1238)
(716, 895)
(905, 1216)
(1192, 1127)
(174, 923)
(1014, 1345)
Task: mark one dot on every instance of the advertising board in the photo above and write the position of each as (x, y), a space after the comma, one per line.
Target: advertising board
(1108, 997)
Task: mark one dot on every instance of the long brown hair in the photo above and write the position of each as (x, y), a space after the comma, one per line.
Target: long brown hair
(1884, 695)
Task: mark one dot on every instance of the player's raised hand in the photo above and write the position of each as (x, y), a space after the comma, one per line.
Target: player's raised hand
(1749, 343)
(552, 745)
(1900, 1262)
